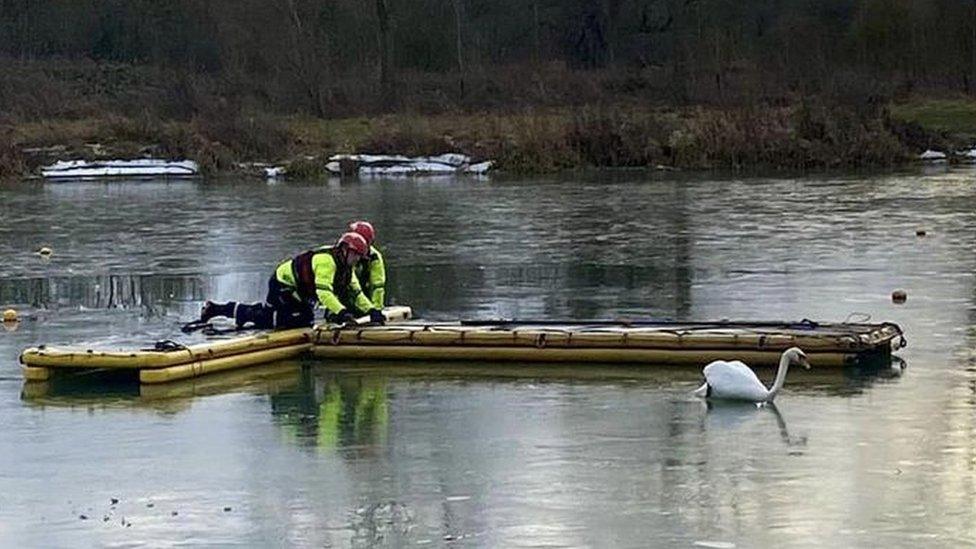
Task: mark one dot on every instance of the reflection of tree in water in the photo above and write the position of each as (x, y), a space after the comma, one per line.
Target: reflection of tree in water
(576, 290)
(595, 288)
(639, 265)
(101, 292)
(334, 411)
(652, 277)
(682, 273)
(425, 268)
(437, 287)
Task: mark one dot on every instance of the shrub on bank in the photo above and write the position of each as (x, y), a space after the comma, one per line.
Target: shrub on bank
(811, 135)
(804, 137)
(614, 137)
(411, 139)
(306, 167)
(12, 161)
(534, 143)
(248, 136)
(218, 142)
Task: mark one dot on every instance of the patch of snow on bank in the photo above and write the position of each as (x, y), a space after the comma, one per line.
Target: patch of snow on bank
(145, 167)
(968, 156)
(399, 165)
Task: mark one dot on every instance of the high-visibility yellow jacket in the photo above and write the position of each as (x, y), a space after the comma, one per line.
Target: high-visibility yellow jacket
(318, 277)
(371, 273)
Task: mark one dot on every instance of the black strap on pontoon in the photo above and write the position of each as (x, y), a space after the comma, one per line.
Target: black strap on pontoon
(805, 324)
(206, 328)
(166, 346)
(194, 326)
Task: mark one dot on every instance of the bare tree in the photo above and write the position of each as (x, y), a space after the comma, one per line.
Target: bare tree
(386, 53)
(458, 26)
(972, 49)
(305, 59)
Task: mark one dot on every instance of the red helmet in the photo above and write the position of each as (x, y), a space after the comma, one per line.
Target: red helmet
(364, 229)
(354, 242)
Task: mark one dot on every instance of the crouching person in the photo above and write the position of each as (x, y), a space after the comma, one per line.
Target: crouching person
(370, 271)
(315, 277)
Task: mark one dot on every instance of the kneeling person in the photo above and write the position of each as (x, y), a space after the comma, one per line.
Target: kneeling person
(370, 271)
(315, 277)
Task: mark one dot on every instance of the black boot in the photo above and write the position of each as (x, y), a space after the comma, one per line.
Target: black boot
(211, 309)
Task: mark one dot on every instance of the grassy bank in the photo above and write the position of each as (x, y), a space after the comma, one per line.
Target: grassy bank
(948, 122)
(529, 118)
(806, 135)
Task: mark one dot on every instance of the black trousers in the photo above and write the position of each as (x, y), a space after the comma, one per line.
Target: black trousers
(290, 311)
(281, 309)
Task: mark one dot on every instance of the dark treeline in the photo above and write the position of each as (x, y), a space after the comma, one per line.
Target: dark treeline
(329, 57)
(537, 85)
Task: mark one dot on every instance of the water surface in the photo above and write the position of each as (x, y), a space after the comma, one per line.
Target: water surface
(342, 454)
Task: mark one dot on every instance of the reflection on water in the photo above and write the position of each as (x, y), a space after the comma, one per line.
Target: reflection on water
(149, 292)
(726, 417)
(330, 412)
(444, 431)
(179, 296)
(299, 388)
(122, 389)
(497, 455)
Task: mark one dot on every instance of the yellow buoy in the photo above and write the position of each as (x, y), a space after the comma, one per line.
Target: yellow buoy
(899, 296)
(10, 315)
(45, 251)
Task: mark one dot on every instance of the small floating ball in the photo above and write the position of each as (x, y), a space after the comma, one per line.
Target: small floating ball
(899, 296)
(45, 251)
(920, 232)
(10, 315)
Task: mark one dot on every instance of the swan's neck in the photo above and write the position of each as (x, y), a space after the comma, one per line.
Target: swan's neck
(784, 365)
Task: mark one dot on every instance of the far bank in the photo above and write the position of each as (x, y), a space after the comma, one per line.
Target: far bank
(811, 134)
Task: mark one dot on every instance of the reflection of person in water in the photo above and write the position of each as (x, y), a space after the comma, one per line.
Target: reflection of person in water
(335, 411)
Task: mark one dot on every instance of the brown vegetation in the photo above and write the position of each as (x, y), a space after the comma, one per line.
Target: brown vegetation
(348, 57)
(538, 85)
(812, 135)
(11, 158)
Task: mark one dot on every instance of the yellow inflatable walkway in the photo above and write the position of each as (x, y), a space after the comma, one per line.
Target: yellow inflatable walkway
(177, 361)
(692, 343)
(757, 343)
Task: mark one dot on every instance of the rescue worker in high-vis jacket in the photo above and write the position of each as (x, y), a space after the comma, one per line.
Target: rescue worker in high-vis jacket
(370, 270)
(315, 277)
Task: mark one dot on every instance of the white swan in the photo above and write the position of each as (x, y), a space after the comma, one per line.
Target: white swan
(735, 381)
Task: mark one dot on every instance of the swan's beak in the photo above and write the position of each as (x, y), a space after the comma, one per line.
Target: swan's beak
(805, 363)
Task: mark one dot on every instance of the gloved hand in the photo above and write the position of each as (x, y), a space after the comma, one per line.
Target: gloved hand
(342, 317)
(376, 316)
